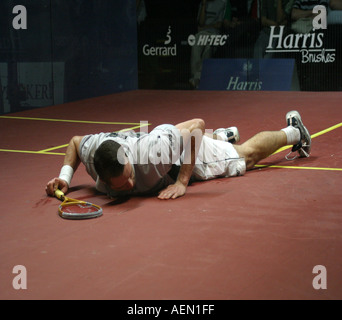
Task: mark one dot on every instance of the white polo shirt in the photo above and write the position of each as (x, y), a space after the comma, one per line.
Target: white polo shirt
(151, 156)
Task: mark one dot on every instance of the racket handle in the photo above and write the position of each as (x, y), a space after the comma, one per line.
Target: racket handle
(59, 194)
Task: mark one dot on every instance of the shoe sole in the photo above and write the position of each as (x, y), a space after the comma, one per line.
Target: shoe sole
(305, 149)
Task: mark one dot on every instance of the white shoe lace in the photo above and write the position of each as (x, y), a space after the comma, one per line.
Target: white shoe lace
(297, 156)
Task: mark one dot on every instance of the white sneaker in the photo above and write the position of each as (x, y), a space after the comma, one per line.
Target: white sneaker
(228, 134)
(303, 147)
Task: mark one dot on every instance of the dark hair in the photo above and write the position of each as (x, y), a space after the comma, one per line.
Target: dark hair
(109, 160)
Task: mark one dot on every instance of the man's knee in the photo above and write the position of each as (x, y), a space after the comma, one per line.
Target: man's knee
(248, 153)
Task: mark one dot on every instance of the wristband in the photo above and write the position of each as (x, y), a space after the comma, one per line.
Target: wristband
(66, 174)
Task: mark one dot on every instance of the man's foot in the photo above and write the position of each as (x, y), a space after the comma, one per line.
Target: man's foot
(228, 134)
(303, 147)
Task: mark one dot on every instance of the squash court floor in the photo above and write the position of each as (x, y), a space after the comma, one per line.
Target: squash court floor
(259, 236)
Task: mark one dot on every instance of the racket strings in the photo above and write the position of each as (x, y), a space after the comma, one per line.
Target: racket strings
(81, 210)
(78, 208)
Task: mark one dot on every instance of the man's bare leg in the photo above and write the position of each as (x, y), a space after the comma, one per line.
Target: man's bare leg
(266, 143)
(261, 146)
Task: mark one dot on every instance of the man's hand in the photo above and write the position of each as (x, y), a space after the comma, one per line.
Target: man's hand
(192, 132)
(55, 184)
(71, 159)
(173, 191)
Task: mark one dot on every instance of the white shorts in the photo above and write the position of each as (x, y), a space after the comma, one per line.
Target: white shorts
(217, 159)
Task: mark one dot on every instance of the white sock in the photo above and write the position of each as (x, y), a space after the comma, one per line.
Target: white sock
(292, 134)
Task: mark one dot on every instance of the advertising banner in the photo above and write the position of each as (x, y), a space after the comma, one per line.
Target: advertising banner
(39, 84)
(55, 51)
(247, 74)
(179, 42)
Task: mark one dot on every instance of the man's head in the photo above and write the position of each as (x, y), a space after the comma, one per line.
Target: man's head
(113, 167)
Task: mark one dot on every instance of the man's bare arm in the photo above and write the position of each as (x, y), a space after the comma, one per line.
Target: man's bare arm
(192, 132)
(72, 160)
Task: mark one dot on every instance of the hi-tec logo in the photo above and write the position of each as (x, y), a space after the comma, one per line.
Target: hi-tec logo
(310, 44)
(216, 40)
(161, 51)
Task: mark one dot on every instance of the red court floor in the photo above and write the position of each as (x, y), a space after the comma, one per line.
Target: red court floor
(253, 237)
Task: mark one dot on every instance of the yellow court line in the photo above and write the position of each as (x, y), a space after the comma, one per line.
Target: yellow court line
(54, 148)
(32, 152)
(65, 145)
(301, 168)
(305, 168)
(72, 121)
(47, 151)
(327, 130)
(313, 136)
(136, 127)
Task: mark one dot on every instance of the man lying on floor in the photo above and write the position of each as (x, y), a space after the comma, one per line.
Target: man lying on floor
(164, 161)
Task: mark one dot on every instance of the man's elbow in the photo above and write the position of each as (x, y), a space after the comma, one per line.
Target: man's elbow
(75, 142)
(76, 139)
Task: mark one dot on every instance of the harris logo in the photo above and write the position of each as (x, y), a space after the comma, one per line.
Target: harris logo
(238, 84)
(306, 41)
